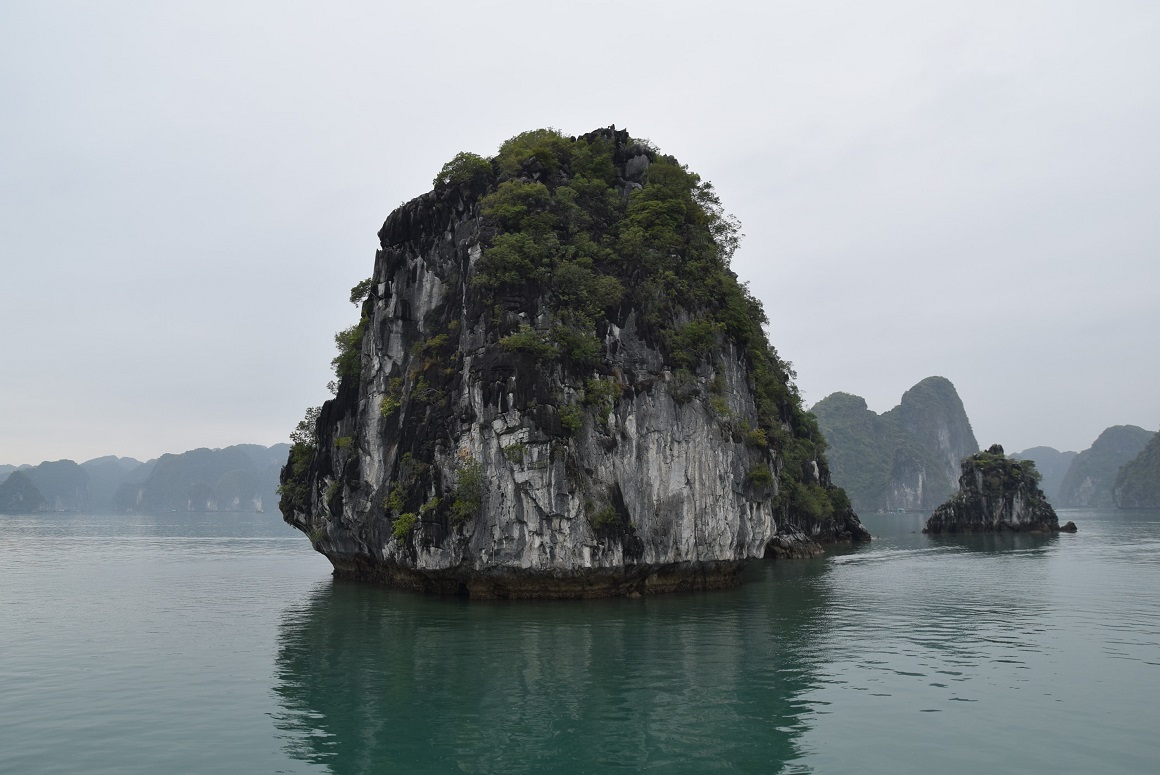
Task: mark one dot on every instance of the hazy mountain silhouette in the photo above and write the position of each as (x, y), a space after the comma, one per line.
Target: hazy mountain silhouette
(243, 477)
(906, 458)
(1052, 464)
(1091, 478)
(18, 495)
(1138, 482)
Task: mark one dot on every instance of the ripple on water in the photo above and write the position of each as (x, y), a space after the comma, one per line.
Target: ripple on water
(141, 640)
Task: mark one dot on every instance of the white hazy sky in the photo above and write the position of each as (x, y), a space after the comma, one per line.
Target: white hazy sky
(188, 191)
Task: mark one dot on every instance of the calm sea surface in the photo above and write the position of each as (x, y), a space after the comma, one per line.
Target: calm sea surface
(215, 643)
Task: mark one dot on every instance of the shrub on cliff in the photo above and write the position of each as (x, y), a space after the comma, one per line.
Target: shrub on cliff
(294, 491)
(1138, 481)
(564, 230)
(466, 167)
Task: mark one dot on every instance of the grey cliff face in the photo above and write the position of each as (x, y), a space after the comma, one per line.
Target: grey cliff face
(451, 464)
(236, 478)
(18, 495)
(64, 484)
(996, 494)
(1053, 464)
(904, 459)
(1091, 477)
(1138, 481)
(931, 416)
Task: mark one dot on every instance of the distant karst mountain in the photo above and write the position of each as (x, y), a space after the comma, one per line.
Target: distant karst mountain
(18, 495)
(243, 477)
(1091, 478)
(63, 483)
(907, 458)
(107, 474)
(557, 387)
(239, 478)
(1051, 464)
(1138, 482)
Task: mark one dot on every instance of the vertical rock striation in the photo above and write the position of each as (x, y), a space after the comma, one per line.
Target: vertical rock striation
(558, 389)
(904, 459)
(1091, 477)
(1052, 464)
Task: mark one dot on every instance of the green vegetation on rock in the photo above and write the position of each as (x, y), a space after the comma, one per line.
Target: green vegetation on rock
(1050, 462)
(465, 168)
(294, 491)
(403, 525)
(467, 497)
(565, 232)
(515, 313)
(1091, 478)
(905, 458)
(349, 342)
(18, 495)
(1138, 481)
(996, 493)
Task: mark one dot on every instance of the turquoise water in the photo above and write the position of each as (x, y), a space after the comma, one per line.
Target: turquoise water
(206, 643)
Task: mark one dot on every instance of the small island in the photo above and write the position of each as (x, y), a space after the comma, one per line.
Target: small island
(997, 494)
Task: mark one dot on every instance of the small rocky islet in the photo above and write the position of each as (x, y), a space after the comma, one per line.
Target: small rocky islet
(558, 388)
(997, 494)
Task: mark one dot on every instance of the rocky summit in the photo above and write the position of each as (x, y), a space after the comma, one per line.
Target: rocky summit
(904, 459)
(996, 494)
(558, 388)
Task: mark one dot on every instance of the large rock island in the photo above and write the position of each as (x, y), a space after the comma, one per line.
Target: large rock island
(1091, 478)
(996, 494)
(558, 388)
(1138, 481)
(904, 459)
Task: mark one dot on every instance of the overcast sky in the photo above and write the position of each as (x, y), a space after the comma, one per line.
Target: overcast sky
(188, 191)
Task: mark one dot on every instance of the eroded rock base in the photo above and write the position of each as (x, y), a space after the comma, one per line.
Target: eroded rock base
(511, 583)
(1005, 527)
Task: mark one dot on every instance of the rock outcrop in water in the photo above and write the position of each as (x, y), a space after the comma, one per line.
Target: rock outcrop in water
(996, 494)
(1138, 482)
(559, 389)
(907, 458)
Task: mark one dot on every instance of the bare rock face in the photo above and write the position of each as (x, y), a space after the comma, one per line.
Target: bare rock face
(996, 494)
(1138, 481)
(904, 459)
(542, 401)
(1091, 477)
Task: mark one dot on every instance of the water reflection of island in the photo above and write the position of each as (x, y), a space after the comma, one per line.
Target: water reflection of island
(371, 679)
(1032, 544)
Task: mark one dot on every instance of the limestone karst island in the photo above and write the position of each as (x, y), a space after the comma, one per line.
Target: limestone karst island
(997, 494)
(558, 388)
